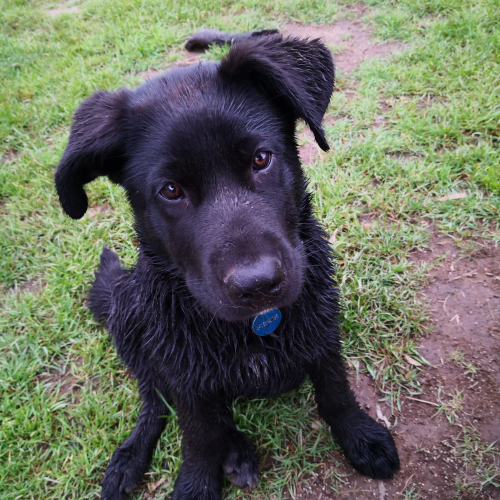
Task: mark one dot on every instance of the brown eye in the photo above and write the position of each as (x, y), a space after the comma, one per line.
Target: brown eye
(172, 191)
(261, 160)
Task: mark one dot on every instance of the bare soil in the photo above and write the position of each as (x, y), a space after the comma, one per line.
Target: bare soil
(34, 286)
(308, 147)
(68, 7)
(62, 380)
(463, 378)
(187, 59)
(100, 210)
(351, 40)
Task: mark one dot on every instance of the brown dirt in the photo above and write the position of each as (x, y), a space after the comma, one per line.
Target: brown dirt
(464, 298)
(351, 40)
(10, 156)
(187, 59)
(68, 7)
(308, 148)
(63, 380)
(34, 286)
(100, 210)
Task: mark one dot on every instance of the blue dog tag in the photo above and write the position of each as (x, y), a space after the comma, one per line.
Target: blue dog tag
(267, 322)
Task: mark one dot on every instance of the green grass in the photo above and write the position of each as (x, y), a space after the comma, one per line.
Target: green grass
(440, 100)
(482, 462)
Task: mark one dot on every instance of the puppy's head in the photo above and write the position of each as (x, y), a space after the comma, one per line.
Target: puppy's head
(208, 158)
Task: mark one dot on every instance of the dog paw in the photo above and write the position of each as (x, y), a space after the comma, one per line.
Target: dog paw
(368, 445)
(241, 466)
(198, 482)
(123, 474)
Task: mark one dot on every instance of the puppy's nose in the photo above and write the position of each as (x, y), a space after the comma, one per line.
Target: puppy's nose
(256, 284)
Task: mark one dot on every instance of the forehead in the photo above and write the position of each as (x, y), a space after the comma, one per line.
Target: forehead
(193, 122)
(197, 100)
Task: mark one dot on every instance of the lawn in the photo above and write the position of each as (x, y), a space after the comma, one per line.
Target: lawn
(430, 168)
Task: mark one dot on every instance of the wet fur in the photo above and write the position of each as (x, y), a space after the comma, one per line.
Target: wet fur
(181, 347)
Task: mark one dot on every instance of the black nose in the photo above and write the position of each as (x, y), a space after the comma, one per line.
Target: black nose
(256, 284)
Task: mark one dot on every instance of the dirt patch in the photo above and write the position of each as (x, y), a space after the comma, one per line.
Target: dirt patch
(465, 302)
(99, 210)
(68, 380)
(64, 8)
(308, 147)
(63, 381)
(149, 73)
(187, 59)
(443, 433)
(463, 382)
(404, 155)
(34, 286)
(350, 38)
(10, 155)
(368, 219)
(379, 121)
(351, 41)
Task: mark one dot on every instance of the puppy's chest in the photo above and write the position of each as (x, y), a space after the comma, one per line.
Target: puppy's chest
(239, 367)
(254, 360)
(260, 370)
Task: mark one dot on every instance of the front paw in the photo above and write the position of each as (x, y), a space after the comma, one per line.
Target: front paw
(368, 445)
(123, 474)
(198, 480)
(241, 466)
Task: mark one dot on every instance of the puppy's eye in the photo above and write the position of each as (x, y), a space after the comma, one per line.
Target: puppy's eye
(172, 191)
(261, 160)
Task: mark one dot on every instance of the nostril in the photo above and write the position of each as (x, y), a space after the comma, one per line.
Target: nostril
(258, 283)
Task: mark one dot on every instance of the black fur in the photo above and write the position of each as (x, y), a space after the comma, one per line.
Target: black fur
(173, 317)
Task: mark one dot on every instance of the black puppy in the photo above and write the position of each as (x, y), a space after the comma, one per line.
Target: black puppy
(228, 247)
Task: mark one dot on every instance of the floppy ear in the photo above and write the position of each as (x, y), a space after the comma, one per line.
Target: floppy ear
(96, 147)
(298, 74)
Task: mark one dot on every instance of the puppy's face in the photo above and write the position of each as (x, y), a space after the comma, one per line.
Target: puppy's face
(208, 159)
(215, 184)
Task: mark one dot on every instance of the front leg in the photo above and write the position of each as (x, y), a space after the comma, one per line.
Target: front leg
(211, 446)
(368, 445)
(131, 460)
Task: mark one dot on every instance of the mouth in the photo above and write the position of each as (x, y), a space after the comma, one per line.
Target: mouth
(248, 309)
(233, 313)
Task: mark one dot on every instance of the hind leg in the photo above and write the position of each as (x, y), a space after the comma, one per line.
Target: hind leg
(131, 460)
